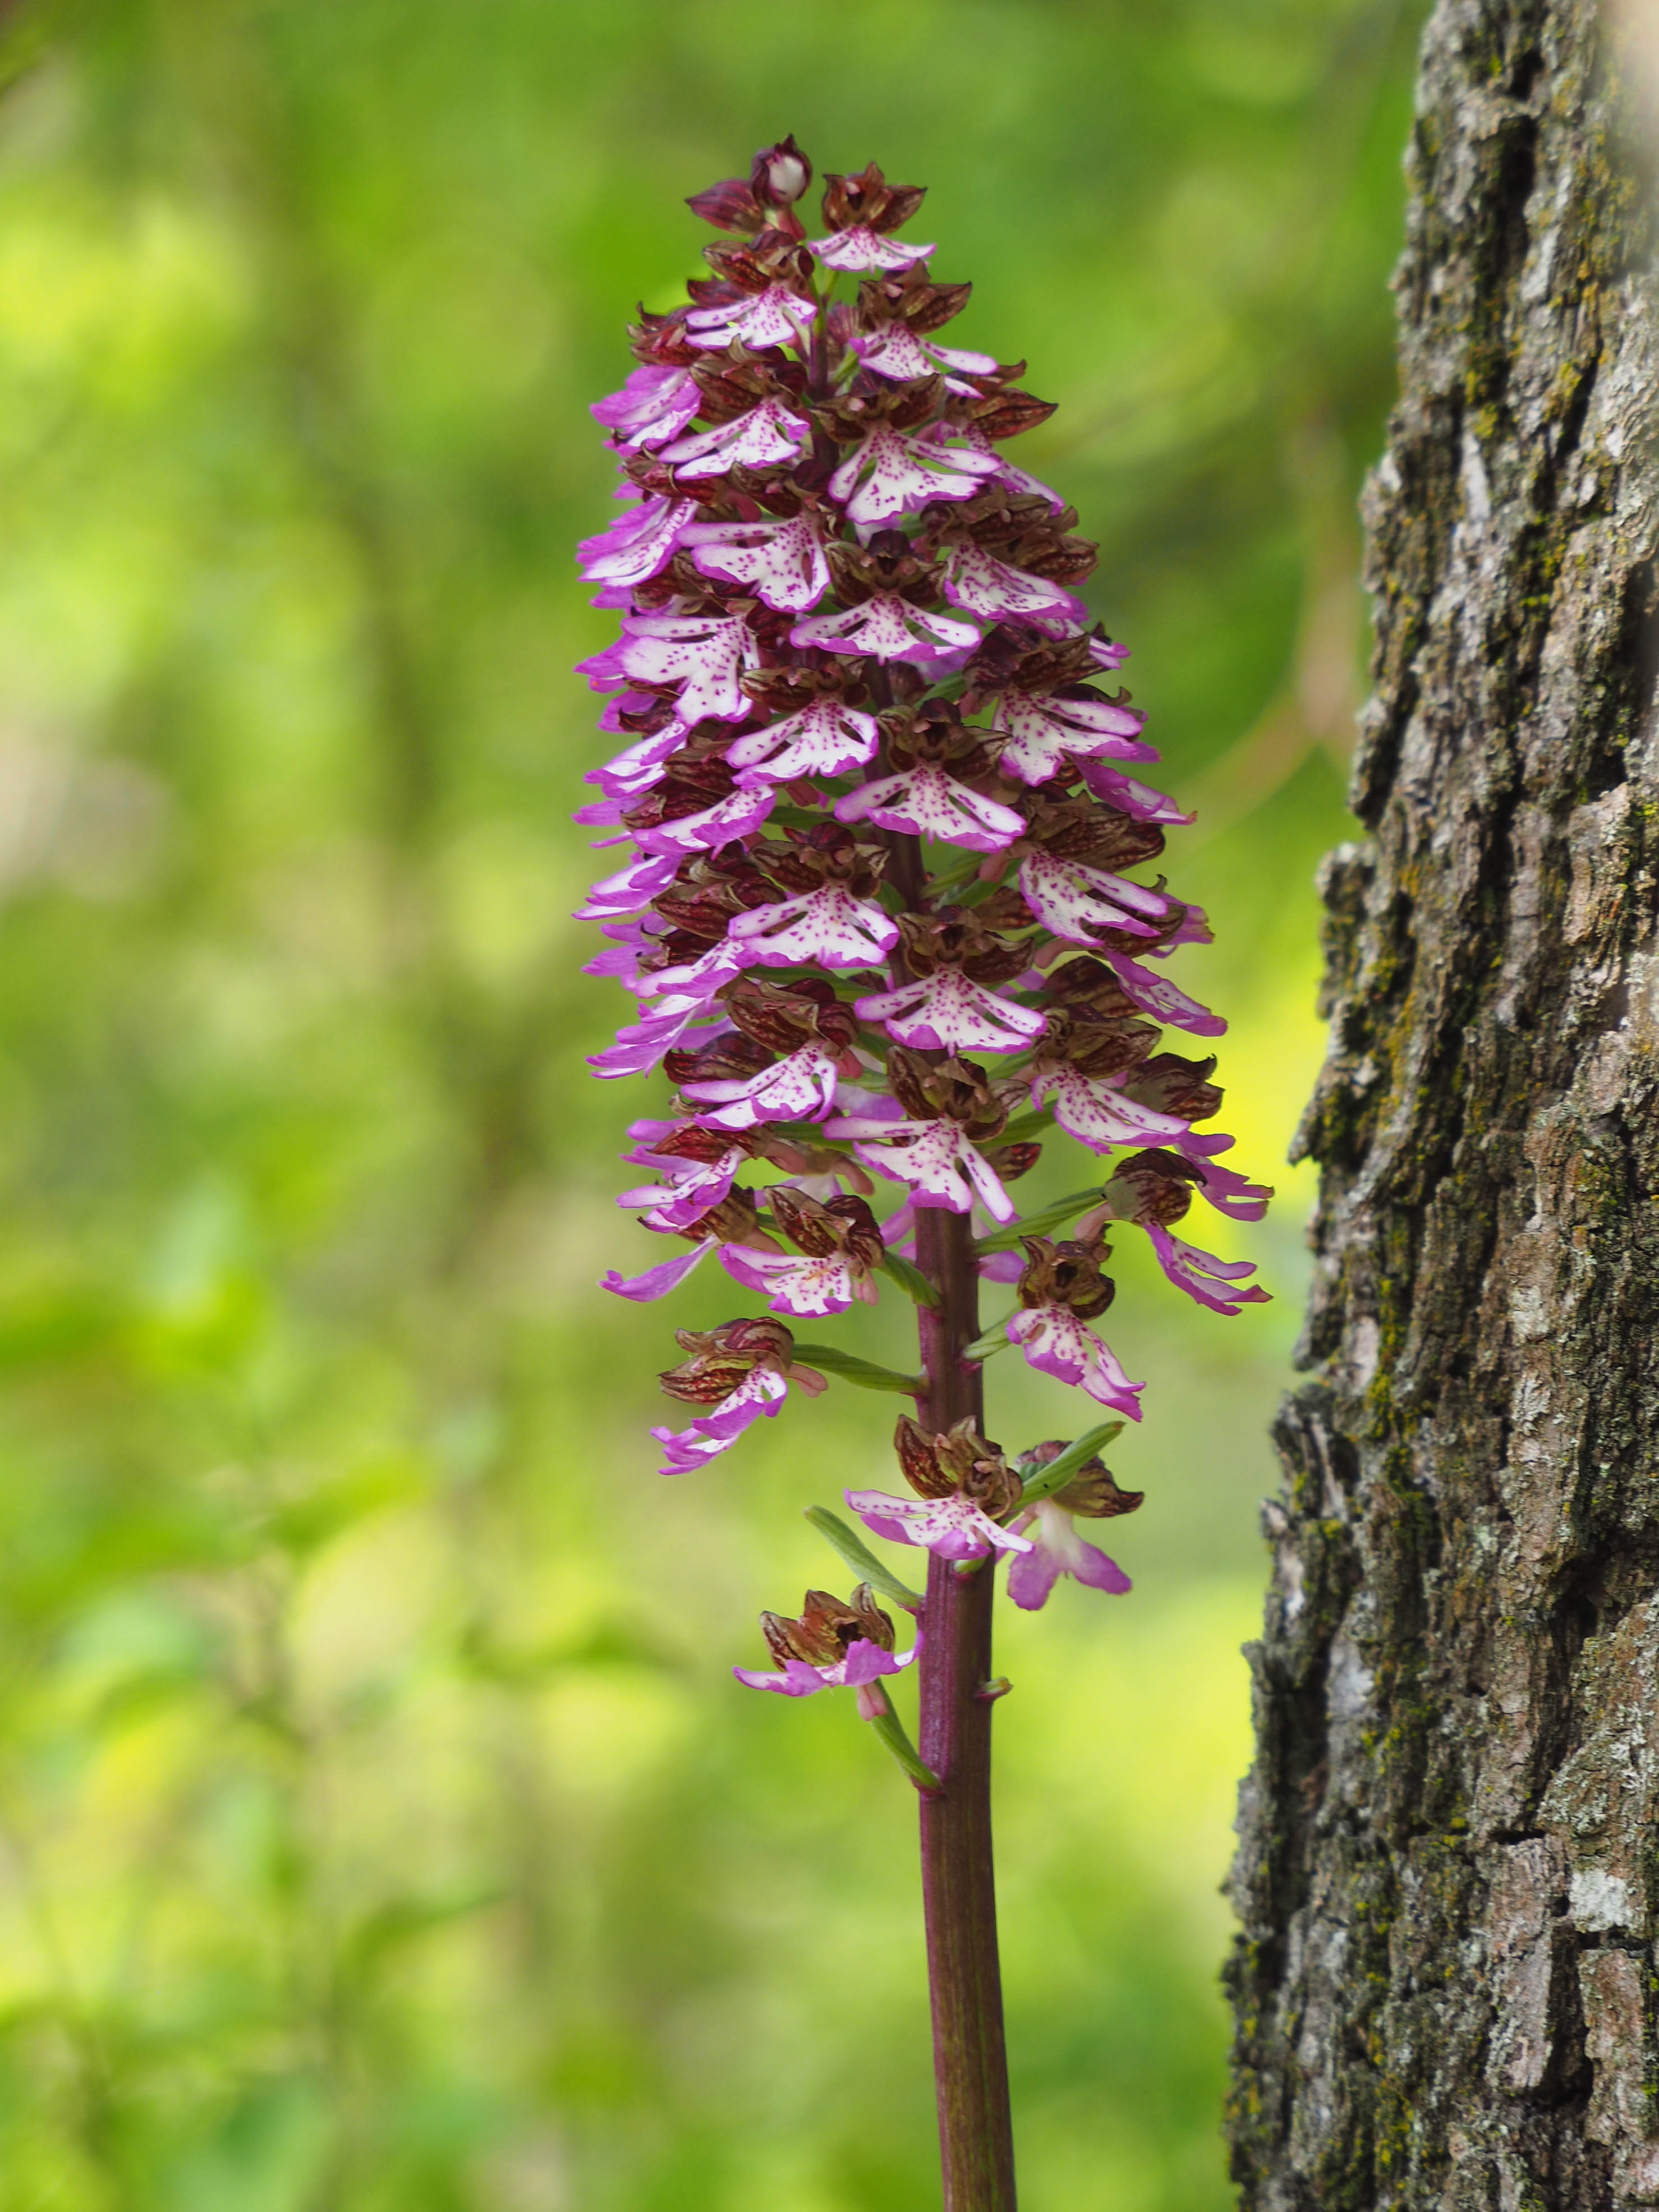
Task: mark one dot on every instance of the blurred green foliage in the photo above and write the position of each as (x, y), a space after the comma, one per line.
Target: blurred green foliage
(379, 1823)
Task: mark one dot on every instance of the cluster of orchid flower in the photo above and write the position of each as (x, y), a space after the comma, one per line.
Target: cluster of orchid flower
(879, 917)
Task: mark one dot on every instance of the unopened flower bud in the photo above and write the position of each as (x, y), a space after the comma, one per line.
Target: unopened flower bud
(780, 173)
(1068, 1274)
(919, 1461)
(977, 1468)
(1149, 1186)
(718, 1358)
(827, 1626)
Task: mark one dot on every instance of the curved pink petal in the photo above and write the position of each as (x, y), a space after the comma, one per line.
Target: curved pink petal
(865, 1662)
(656, 404)
(1113, 788)
(627, 890)
(739, 814)
(1165, 1000)
(826, 738)
(639, 544)
(761, 1391)
(1230, 1192)
(656, 1282)
(1218, 1284)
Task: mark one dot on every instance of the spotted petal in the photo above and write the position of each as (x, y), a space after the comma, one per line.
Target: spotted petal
(828, 926)
(1058, 1343)
(766, 434)
(948, 1011)
(1041, 731)
(889, 629)
(889, 474)
(826, 738)
(805, 1286)
(703, 654)
(762, 1390)
(801, 1088)
(1077, 902)
(975, 580)
(654, 404)
(638, 545)
(955, 1527)
(781, 563)
(861, 249)
(943, 1167)
(775, 317)
(925, 801)
(1097, 1114)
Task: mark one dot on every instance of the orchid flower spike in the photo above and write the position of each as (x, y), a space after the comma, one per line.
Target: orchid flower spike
(884, 905)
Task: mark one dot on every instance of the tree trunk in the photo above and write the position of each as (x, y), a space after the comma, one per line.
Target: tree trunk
(1449, 1870)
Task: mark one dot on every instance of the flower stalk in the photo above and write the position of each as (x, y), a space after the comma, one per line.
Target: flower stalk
(886, 920)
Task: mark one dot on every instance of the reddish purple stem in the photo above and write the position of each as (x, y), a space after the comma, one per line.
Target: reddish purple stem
(959, 1879)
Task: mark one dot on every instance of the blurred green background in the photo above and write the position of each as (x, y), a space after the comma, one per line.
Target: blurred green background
(379, 1825)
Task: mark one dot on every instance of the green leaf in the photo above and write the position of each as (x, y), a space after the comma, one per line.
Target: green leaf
(1038, 1225)
(859, 1556)
(909, 1278)
(862, 1371)
(1043, 1481)
(994, 1339)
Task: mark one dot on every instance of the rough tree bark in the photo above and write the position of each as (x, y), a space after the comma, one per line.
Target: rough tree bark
(1448, 1869)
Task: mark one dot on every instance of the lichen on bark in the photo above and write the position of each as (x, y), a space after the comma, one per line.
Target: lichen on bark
(1447, 1877)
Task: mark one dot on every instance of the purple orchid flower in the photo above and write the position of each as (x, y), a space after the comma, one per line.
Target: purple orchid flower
(937, 1159)
(1055, 1341)
(1057, 1550)
(889, 474)
(828, 927)
(782, 563)
(981, 584)
(654, 406)
(767, 434)
(639, 544)
(924, 801)
(866, 1662)
(888, 628)
(775, 317)
(953, 1526)
(801, 1088)
(948, 1011)
(824, 740)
